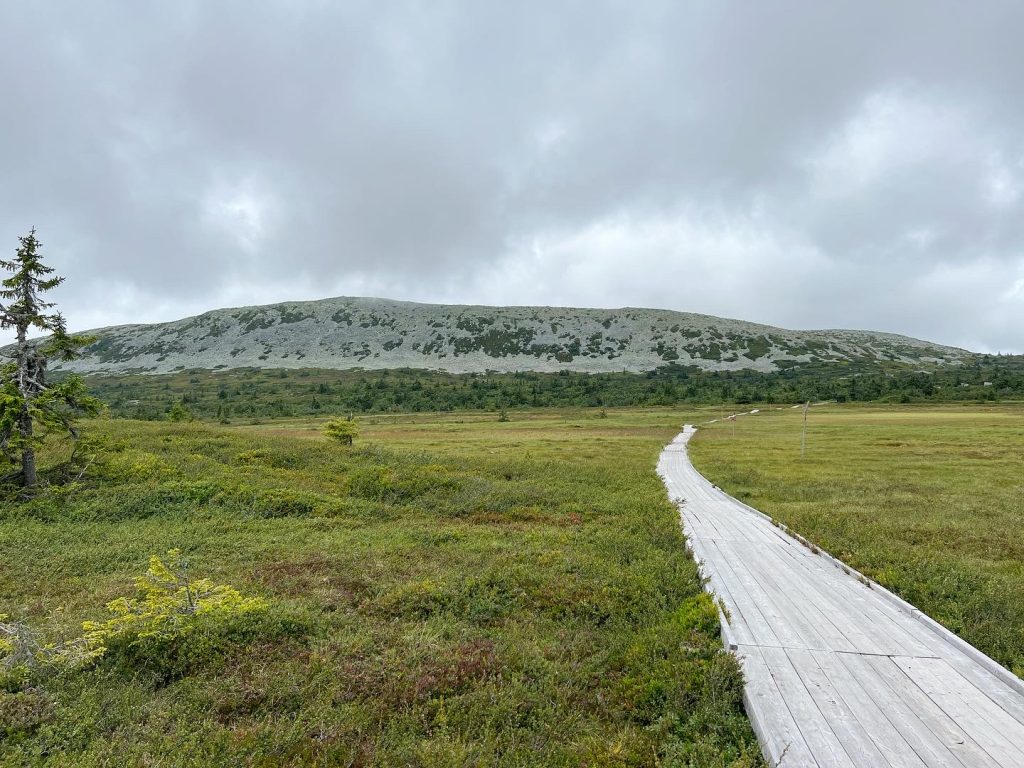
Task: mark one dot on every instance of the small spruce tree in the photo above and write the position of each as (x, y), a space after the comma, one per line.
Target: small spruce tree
(342, 430)
(179, 412)
(30, 407)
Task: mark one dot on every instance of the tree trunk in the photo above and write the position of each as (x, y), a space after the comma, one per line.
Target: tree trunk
(28, 452)
(28, 468)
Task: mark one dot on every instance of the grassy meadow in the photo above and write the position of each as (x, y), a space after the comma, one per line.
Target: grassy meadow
(451, 591)
(927, 500)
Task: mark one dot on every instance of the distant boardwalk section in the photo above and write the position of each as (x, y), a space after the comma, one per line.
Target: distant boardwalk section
(839, 671)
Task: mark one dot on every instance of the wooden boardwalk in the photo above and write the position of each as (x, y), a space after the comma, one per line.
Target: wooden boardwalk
(839, 671)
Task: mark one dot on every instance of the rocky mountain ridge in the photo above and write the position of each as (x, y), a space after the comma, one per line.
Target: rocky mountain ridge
(372, 333)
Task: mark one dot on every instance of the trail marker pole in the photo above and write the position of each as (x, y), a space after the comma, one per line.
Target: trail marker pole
(803, 435)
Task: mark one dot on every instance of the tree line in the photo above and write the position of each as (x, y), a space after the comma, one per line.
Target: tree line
(248, 394)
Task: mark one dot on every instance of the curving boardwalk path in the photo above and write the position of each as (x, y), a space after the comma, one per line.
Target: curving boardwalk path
(839, 671)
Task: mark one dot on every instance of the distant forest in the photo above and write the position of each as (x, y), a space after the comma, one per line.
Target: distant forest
(245, 394)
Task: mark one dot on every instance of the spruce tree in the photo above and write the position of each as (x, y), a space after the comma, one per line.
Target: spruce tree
(31, 408)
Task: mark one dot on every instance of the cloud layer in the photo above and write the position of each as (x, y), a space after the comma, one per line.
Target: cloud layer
(807, 165)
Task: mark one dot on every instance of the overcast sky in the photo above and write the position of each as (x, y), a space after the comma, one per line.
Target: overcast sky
(804, 164)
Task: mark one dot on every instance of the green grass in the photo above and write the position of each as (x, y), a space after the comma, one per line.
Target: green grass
(928, 501)
(452, 591)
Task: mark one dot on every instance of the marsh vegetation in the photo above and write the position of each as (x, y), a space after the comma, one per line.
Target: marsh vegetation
(450, 590)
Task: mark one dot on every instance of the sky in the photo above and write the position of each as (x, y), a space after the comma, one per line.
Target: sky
(808, 165)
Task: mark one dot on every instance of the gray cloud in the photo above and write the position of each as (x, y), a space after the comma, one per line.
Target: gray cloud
(809, 165)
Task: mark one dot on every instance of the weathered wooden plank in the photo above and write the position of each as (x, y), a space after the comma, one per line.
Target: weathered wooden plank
(889, 741)
(771, 719)
(695, 526)
(994, 687)
(948, 733)
(974, 712)
(906, 721)
(765, 623)
(856, 740)
(739, 626)
(809, 605)
(777, 596)
(872, 624)
(814, 727)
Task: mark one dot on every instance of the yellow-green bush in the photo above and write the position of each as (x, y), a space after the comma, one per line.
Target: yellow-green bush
(133, 465)
(261, 457)
(177, 624)
(168, 605)
(173, 623)
(343, 431)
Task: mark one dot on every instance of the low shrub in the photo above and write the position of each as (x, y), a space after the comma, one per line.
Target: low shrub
(260, 457)
(403, 484)
(414, 600)
(22, 712)
(275, 502)
(169, 600)
(284, 502)
(25, 658)
(132, 465)
(177, 624)
(204, 645)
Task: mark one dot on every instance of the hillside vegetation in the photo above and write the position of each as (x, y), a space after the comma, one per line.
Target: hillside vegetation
(344, 333)
(928, 501)
(450, 591)
(247, 394)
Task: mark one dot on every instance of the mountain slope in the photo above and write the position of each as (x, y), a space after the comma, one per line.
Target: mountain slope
(378, 333)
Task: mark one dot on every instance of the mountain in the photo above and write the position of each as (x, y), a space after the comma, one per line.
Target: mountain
(378, 333)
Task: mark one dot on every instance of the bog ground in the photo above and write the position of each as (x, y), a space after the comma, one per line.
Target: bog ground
(459, 591)
(452, 591)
